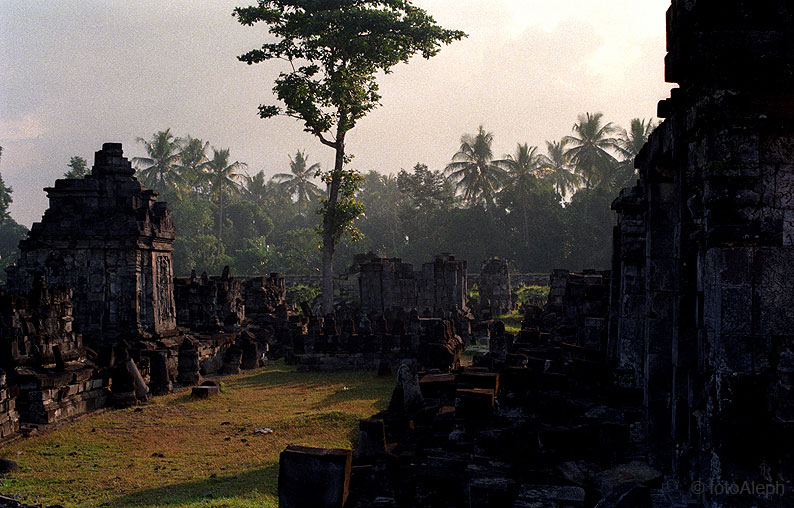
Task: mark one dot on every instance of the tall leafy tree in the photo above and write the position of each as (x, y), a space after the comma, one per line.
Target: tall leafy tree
(160, 169)
(556, 169)
(298, 182)
(78, 168)
(427, 190)
(223, 176)
(592, 147)
(523, 168)
(336, 48)
(474, 171)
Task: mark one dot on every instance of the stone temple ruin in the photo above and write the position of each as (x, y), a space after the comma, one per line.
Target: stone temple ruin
(107, 238)
(387, 285)
(494, 287)
(667, 381)
(92, 315)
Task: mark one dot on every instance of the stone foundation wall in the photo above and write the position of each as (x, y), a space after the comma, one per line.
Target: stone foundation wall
(9, 417)
(209, 303)
(47, 397)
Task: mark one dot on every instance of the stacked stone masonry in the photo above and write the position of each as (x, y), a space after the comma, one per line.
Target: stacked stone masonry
(106, 237)
(389, 285)
(209, 303)
(9, 418)
(704, 250)
(494, 287)
(45, 359)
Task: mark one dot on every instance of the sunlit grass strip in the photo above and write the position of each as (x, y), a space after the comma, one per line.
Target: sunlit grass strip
(180, 452)
(512, 321)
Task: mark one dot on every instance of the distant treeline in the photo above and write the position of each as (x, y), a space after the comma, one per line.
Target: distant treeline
(540, 209)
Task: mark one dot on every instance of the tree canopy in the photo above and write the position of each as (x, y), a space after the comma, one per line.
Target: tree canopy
(335, 49)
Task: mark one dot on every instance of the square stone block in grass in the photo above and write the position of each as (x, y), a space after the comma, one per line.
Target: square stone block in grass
(313, 477)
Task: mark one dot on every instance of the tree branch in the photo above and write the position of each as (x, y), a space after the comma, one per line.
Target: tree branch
(324, 141)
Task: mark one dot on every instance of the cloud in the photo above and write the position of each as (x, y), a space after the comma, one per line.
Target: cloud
(20, 129)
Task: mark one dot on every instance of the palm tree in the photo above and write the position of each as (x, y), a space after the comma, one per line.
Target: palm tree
(223, 178)
(591, 148)
(556, 169)
(632, 142)
(474, 171)
(255, 188)
(629, 145)
(192, 159)
(522, 176)
(160, 170)
(298, 182)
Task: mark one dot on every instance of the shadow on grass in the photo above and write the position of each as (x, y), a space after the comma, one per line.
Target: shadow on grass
(238, 487)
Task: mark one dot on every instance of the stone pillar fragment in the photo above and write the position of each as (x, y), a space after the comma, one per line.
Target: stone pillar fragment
(188, 364)
(313, 477)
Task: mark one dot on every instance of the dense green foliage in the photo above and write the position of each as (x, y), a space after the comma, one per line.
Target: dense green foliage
(10, 232)
(539, 214)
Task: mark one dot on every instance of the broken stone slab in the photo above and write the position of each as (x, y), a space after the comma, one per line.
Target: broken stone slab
(487, 380)
(550, 496)
(631, 473)
(313, 477)
(8, 466)
(490, 492)
(407, 396)
(371, 438)
(441, 386)
(207, 389)
(474, 403)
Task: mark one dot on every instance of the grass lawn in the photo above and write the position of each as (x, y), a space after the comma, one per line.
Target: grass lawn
(180, 452)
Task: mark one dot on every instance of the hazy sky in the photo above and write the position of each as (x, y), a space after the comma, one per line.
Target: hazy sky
(77, 73)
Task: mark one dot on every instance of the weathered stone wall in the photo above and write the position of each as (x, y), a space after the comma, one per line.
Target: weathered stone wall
(209, 303)
(107, 238)
(704, 247)
(262, 296)
(578, 307)
(36, 328)
(9, 418)
(388, 285)
(494, 286)
(45, 359)
(627, 309)
(443, 285)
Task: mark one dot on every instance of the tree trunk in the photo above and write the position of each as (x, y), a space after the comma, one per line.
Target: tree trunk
(220, 222)
(329, 225)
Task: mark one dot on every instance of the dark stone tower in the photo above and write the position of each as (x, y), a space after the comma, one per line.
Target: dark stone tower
(704, 249)
(107, 238)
